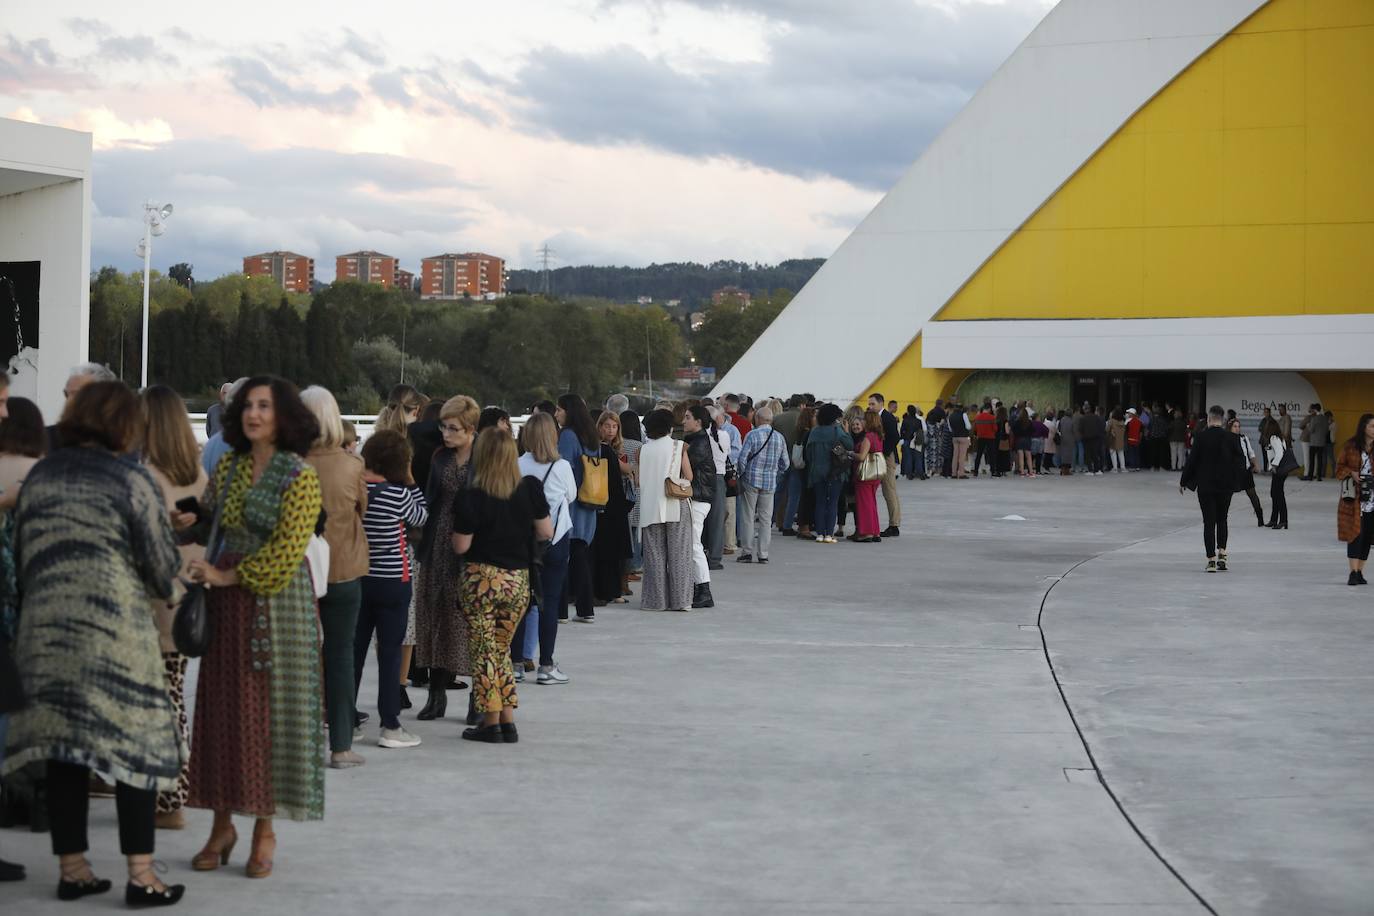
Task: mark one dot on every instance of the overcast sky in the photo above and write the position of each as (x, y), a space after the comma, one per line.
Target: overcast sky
(617, 131)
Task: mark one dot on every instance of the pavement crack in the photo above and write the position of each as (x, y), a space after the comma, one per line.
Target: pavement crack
(1083, 738)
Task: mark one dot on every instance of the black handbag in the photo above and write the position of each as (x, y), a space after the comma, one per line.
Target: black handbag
(538, 548)
(191, 628)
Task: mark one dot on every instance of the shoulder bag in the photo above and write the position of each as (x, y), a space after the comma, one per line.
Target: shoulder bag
(798, 456)
(873, 466)
(731, 474)
(539, 547)
(191, 628)
(673, 486)
(595, 490)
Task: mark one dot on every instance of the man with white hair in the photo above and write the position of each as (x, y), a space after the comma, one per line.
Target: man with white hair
(82, 374)
(617, 404)
(763, 456)
(215, 447)
(214, 416)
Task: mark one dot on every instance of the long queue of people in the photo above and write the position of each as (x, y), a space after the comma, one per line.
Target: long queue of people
(308, 559)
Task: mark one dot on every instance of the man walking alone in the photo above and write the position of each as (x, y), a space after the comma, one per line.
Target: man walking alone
(1212, 468)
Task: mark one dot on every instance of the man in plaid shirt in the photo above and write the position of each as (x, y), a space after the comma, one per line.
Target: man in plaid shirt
(762, 457)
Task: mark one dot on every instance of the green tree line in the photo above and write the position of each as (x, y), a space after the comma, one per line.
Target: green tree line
(690, 282)
(359, 339)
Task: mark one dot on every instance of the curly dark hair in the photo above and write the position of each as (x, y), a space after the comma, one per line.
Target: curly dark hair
(387, 452)
(297, 427)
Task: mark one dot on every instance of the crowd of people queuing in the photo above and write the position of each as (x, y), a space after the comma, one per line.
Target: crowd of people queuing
(449, 548)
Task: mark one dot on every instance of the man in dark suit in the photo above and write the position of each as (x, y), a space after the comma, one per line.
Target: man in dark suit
(1212, 470)
(891, 436)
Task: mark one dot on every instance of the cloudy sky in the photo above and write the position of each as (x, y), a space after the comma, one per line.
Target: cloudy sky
(617, 131)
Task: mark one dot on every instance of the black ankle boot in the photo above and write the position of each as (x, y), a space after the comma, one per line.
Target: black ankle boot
(474, 717)
(437, 704)
(701, 596)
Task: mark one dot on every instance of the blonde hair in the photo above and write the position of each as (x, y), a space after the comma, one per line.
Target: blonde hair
(495, 468)
(321, 403)
(463, 409)
(400, 401)
(539, 438)
(618, 443)
(168, 441)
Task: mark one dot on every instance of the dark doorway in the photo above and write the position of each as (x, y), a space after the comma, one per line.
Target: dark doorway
(18, 308)
(1113, 389)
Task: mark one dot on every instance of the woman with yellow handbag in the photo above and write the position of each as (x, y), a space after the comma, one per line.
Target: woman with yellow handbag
(580, 445)
(869, 467)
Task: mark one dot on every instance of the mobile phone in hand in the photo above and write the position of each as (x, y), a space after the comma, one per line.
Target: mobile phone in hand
(189, 504)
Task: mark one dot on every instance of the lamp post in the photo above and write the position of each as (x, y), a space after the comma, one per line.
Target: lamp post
(153, 218)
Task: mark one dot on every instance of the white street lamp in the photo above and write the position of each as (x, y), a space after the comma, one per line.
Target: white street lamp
(153, 218)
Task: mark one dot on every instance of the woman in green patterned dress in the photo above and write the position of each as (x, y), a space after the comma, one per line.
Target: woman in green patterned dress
(93, 540)
(257, 744)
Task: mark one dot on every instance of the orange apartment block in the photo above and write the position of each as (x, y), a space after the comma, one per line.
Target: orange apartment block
(405, 279)
(293, 272)
(366, 267)
(452, 276)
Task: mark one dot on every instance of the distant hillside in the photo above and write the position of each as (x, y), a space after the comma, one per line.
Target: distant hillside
(692, 283)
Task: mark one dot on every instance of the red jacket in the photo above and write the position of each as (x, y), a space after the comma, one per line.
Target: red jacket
(741, 424)
(985, 425)
(1133, 426)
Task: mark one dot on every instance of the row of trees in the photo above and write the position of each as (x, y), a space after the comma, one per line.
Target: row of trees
(690, 282)
(359, 340)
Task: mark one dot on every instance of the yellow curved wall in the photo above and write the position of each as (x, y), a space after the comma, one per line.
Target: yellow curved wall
(1244, 187)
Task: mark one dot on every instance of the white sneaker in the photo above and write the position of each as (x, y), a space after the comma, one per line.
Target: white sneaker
(397, 737)
(550, 675)
(519, 671)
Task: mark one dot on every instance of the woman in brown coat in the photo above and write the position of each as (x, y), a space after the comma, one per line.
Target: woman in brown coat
(1355, 516)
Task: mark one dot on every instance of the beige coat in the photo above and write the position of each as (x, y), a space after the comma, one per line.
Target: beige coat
(166, 611)
(344, 496)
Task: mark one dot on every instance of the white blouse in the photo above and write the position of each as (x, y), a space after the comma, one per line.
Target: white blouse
(659, 459)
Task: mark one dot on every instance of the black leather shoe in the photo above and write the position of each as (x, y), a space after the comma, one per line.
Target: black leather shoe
(702, 596)
(11, 871)
(490, 734)
(891, 532)
(474, 717)
(509, 733)
(788, 532)
(75, 890)
(141, 895)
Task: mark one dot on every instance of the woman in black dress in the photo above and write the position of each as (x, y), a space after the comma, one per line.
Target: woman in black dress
(611, 543)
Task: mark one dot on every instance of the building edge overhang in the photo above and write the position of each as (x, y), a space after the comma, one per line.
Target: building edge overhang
(1076, 79)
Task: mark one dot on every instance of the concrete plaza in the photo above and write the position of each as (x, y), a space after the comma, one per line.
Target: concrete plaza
(880, 729)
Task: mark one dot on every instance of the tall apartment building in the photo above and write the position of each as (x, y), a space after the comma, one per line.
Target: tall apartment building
(366, 267)
(293, 272)
(451, 276)
(405, 279)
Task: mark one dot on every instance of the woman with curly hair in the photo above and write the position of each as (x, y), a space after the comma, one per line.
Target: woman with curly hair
(258, 745)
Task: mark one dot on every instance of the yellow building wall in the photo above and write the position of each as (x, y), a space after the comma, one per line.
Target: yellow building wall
(908, 382)
(1244, 187)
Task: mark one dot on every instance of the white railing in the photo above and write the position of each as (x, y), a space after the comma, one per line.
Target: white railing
(363, 423)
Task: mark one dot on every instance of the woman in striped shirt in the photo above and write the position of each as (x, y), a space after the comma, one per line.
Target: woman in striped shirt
(394, 504)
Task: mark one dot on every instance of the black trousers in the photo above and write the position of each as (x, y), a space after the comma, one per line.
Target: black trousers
(579, 582)
(987, 453)
(1215, 505)
(1279, 514)
(69, 805)
(1358, 549)
(1092, 454)
(384, 610)
(1316, 460)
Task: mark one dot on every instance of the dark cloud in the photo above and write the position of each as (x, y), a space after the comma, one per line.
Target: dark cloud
(854, 91)
(360, 48)
(31, 66)
(256, 81)
(389, 86)
(232, 200)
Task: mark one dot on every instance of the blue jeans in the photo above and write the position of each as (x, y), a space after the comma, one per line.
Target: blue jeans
(796, 485)
(827, 505)
(553, 576)
(1078, 453)
(636, 550)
